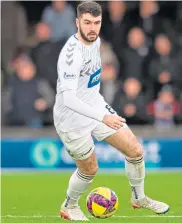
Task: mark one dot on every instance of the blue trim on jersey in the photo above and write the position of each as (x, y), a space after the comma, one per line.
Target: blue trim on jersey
(94, 78)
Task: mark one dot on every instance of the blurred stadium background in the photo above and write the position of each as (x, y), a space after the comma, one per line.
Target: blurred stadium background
(141, 78)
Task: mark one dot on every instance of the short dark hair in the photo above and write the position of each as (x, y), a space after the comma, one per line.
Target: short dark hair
(89, 7)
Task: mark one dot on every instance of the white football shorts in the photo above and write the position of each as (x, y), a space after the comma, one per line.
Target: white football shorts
(81, 146)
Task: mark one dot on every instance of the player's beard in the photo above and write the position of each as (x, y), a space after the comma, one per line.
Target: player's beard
(84, 36)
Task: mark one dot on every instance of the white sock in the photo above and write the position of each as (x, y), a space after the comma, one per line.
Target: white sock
(78, 184)
(135, 170)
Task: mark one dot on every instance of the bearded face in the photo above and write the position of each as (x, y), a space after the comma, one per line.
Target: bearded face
(89, 27)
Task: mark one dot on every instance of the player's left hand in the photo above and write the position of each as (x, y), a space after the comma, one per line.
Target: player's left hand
(114, 121)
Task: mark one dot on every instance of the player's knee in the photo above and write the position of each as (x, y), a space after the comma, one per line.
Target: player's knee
(136, 151)
(89, 170)
(139, 150)
(93, 170)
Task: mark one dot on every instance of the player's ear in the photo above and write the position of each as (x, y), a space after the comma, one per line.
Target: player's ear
(77, 22)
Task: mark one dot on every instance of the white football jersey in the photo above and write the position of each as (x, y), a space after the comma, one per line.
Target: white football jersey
(79, 68)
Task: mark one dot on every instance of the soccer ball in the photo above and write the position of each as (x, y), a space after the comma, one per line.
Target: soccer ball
(102, 202)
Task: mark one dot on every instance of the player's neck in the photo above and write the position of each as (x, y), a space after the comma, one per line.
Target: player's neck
(82, 40)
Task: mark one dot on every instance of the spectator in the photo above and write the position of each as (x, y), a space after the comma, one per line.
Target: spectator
(14, 29)
(177, 25)
(165, 109)
(115, 25)
(165, 67)
(149, 19)
(3, 86)
(27, 96)
(110, 69)
(45, 54)
(61, 17)
(20, 52)
(130, 102)
(134, 55)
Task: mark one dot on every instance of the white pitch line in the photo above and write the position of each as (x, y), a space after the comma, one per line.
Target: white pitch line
(141, 216)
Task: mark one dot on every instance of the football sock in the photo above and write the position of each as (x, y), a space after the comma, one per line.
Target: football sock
(135, 171)
(78, 184)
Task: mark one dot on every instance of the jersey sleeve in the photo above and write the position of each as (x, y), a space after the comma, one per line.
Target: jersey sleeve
(69, 67)
(71, 101)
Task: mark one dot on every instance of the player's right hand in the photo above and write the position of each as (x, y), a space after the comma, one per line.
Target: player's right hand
(114, 121)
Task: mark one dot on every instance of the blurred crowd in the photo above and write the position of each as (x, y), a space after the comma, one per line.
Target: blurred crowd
(141, 54)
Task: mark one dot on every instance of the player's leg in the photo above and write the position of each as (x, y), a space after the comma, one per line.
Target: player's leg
(82, 152)
(81, 179)
(79, 182)
(126, 142)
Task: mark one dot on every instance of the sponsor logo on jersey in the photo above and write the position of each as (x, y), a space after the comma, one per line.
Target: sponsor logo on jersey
(94, 79)
(69, 76)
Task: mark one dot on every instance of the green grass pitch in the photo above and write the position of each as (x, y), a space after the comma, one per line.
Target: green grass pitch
(36, 197)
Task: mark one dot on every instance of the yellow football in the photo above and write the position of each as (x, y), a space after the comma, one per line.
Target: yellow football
(102, 202)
